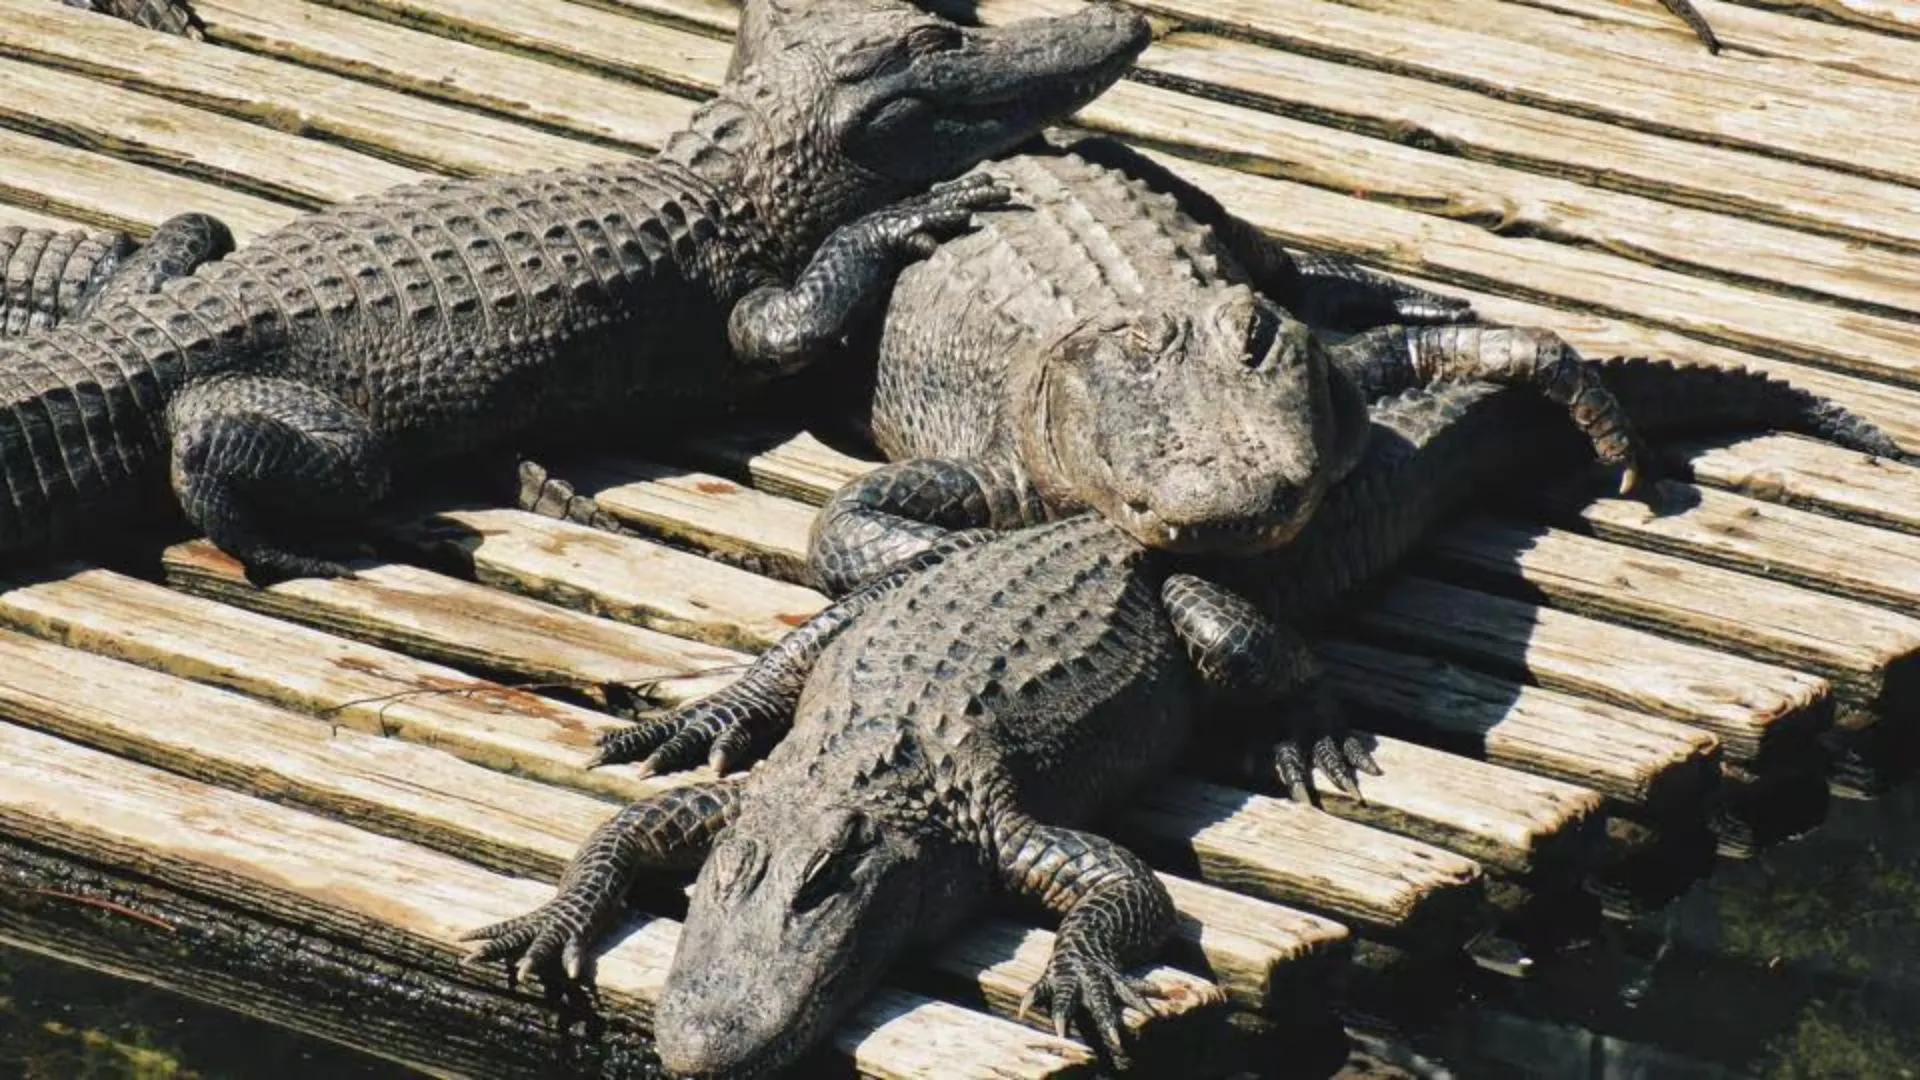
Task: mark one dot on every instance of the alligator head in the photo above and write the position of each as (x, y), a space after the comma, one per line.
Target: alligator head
(833, 108)
(793, 919)
(1217, 429)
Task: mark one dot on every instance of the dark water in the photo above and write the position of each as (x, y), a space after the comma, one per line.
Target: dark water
(1804, 962)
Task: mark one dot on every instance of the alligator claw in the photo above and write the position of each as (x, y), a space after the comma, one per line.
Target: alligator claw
(1321, 741)
(549, 943)
(1094, 990)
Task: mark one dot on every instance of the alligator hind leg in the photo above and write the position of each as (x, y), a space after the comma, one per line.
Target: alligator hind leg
(1395, 358)
(1114, 913)
(249, 450)
(1324, 291)
(673, 830)
(179, 246)
(1244, 656)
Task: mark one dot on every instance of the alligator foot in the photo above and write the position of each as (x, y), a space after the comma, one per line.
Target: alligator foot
(541, 492)
(672, 830)
(166, 16)
(1322, 741)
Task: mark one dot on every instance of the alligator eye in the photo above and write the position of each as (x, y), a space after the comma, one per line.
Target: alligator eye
(817, 881)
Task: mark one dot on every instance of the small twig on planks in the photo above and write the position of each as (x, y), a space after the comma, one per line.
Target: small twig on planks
(639, 689)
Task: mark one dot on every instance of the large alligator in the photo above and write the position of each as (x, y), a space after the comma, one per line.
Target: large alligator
(1115, 340)
(946, 730)
(282, 383)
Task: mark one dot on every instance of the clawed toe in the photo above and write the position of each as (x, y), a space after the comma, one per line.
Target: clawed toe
(1093, 992)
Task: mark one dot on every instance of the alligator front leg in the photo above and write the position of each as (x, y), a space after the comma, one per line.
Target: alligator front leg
(1244, 656)
(900, 510)
(1394, 358)
(738, 723)
(179, 246)
(1114, 914)
(248, 450)
(851, 275)
(673, 830)
(1323, 291)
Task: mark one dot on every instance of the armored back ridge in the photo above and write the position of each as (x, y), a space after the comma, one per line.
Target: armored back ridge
(283, 385)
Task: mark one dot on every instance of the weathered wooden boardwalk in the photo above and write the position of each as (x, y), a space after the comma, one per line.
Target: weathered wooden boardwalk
(291, 801)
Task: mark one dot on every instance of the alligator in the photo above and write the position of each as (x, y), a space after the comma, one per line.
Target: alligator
(948, 729)
(167, 16)
(45, 274)
(283, 383)
(1116, 340)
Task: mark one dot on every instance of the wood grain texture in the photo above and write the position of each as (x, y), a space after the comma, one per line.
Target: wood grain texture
(147, 130)
(548, 95)
(1867, 652)
(386, 124)
(1650, 766)
(1758, 711)
(106, 192)
(1811, 475)
(468, 626)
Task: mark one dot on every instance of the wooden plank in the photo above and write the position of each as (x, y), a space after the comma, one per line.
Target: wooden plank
(1783, 107)
(1647, 765)
(1783, 326)
(1289, 953)
(352, 685)
(1504, 200)
(34, 219)
(594, 39)
(389, 769)
(1895, 409)
(791, 465)
(1478, 127)
(108, 193)
(1758, 711)
(1391, 886)
(1764, 539)
(402, 899)
(468, 626)
(1809, 474)
(736, 525)
(615, 576)
(1753, 29)
(191, 142)
(548, 95)
(1870, 654)
(398, 127)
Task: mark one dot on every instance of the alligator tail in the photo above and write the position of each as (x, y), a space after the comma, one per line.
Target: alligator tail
(45, 274)
(1665, 398)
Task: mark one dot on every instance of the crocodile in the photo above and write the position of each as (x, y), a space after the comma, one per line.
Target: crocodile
(284, 383)
(948, 730)
(1116, 340)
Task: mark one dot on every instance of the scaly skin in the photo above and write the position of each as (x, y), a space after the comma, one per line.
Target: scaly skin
(948, 729)
(1116, 341)
(166, 16)
(283, 384)
(47, 274)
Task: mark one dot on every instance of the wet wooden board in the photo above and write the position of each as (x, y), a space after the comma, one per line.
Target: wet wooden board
(397, 899)
(1869, 653)
(1759, 712)
(388, 732)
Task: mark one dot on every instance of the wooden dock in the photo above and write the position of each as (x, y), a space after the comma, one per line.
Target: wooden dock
(290, 801)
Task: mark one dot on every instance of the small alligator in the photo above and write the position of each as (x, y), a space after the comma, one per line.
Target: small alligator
(946, 730)
(280, 384)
